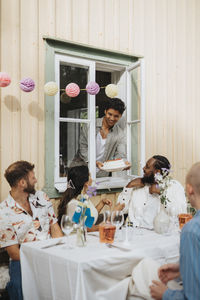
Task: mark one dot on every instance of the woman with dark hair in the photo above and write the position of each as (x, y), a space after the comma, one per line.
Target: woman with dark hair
(78, 181)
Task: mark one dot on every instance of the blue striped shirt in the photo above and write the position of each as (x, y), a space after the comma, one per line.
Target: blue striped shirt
(189, 262)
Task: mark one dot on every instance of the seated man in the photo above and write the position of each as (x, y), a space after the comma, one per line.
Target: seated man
(110, 138)
(141, 195)
(25, 216)
(189, 268)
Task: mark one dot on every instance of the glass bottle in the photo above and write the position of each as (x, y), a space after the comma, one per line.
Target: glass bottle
(107, 229)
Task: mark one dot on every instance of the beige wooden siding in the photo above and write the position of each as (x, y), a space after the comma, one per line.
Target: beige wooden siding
(166, 32)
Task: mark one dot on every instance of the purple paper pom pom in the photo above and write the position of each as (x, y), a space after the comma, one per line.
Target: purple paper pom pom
(92, 88)
(27, 85)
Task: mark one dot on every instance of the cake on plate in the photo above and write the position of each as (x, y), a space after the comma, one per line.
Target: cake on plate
(114, 165)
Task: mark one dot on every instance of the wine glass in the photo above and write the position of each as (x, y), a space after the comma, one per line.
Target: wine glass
(67, 226)
(117, 219)
(174, 218)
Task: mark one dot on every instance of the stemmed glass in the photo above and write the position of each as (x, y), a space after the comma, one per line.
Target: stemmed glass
(117, 219)
(67, 226)
(174, 218)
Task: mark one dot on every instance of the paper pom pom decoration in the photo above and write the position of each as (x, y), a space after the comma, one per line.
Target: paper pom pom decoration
(72, 90)
(27, 85)
(5, 79)
(51, 88)
(111, 90)
(64, 98)
(92, 88)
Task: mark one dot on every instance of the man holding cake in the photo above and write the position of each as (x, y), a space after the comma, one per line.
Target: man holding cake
(141, 195)
(110, 138)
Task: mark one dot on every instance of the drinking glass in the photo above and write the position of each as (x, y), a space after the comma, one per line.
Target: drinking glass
(175, 221)
(117, 219)
(67, 226)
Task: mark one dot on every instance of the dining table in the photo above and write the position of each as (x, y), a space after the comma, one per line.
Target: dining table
(54, 269)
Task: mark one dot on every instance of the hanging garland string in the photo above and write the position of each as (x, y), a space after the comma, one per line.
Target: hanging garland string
(51, 88)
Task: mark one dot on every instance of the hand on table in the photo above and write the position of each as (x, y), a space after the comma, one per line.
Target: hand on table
(157, 289)
(168, 272)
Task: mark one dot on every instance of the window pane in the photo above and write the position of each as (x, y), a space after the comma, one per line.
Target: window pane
(76, 107)
(135, 149)
(135, 94)
(69, 144)
(103, 79)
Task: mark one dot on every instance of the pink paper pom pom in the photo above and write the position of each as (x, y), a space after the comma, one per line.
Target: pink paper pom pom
(27, 85)
(92, 88)
(72, 90)
(5, 79)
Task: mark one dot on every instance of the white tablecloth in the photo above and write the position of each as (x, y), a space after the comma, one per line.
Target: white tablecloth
(92, 272)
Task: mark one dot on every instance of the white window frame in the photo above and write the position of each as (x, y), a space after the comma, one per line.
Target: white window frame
(60, 183)
(130, 121)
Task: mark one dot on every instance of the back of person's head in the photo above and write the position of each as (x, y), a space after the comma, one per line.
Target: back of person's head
(17, 171)
(162, 164)
(193, 177)
(116, 104)
(77, 177)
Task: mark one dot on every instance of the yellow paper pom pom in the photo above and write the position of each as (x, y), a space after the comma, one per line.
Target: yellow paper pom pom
(111, 90)
(51, 88)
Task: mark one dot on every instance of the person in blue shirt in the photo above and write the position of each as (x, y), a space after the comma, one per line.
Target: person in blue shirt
(189, 265)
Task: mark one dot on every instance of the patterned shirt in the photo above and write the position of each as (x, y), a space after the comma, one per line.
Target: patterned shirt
(18, 226)
(189, 262)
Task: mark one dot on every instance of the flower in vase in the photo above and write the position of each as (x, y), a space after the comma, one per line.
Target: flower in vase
(82, 213)
(163, 181)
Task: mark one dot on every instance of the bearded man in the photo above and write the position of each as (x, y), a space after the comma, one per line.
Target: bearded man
(141, 195)
(25, 216)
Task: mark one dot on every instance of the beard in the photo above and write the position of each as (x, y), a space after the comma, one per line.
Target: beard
(148, 179)
(30, 189)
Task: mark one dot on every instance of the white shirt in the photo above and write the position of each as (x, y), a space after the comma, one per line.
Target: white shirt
(18, 226)
(142, 207)
(100, 148)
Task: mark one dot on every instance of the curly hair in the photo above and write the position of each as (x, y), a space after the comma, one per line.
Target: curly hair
(162, 163)
(116, 104)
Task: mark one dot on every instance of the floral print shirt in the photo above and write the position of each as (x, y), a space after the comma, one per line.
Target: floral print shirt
(17, 226)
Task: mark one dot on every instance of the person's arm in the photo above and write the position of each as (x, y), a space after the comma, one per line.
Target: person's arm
(154, 189)
(135, 183)
(102, 203)
(120, 151)
(159, 291)
(13, 252)
(168, 272)
(55, 231)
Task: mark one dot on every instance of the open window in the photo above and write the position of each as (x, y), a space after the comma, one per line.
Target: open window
(71, 114)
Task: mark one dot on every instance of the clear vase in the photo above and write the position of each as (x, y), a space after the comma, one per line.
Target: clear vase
(81, 235)
(161, 221)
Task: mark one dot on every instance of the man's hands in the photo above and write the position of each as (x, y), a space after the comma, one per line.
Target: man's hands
(137, 182)
(119, 206)
(168, 272)
(128, 166)
(154, 189)
(99, 164)
(157, 289)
